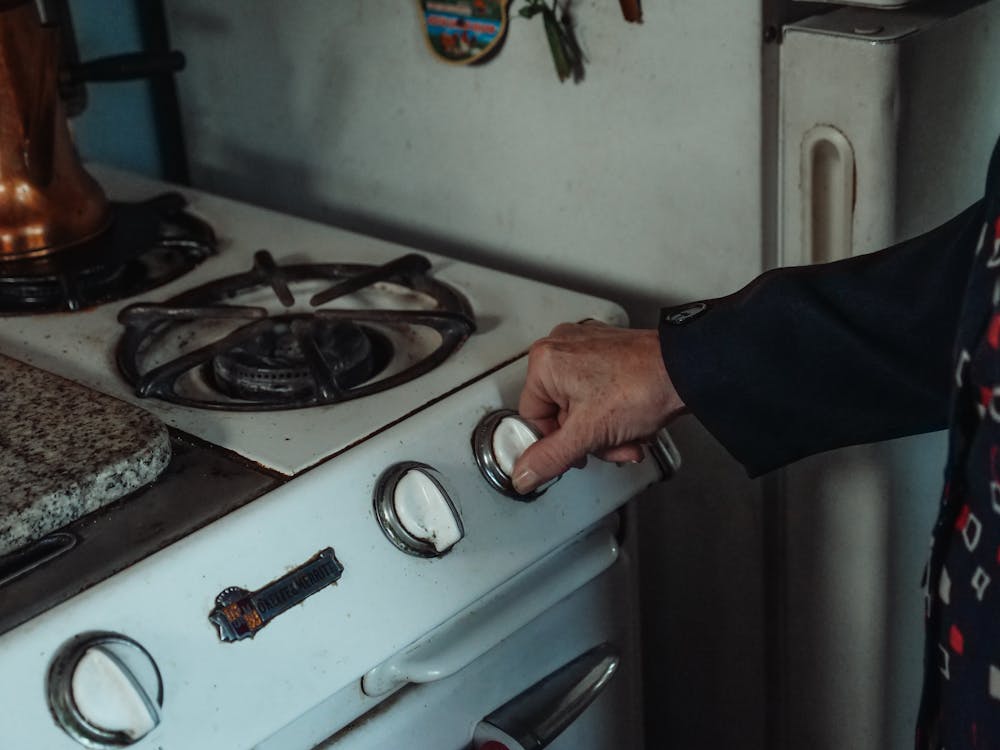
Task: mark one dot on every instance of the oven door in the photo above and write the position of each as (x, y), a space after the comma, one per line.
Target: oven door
(525, 682)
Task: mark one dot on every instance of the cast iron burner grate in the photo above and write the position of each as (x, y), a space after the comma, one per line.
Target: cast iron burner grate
(204, 349)
(148, 244)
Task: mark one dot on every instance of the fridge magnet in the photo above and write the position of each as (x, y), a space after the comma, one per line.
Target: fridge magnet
(566, 53)
(465, 31)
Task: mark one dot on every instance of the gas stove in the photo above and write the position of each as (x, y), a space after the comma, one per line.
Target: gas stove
(336, 507)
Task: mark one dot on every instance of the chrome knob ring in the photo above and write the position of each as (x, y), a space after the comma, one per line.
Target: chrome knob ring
(388, 517)
(136, 667)
(486, 459)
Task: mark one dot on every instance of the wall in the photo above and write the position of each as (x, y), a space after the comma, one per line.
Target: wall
(117, 127)
(642, 180)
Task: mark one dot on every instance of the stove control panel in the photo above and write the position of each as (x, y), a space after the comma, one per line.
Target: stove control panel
(416, 511)
(105, 690)
(498, 441)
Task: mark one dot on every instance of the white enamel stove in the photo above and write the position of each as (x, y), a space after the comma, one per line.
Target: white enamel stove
(376, 543)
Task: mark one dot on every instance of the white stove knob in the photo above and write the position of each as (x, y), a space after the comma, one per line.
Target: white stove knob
(498, 441)
(511, 437)
(105, 690)
(415, 510)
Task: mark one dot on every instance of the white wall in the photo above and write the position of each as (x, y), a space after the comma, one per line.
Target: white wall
(641, 183)
(645, 176)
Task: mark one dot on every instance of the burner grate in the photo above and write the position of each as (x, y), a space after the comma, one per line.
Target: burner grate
(204, 349)
(147, 245)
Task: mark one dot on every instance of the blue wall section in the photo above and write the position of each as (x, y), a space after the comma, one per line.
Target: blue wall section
(117, 127)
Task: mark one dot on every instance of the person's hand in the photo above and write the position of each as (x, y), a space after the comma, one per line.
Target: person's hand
(592, 389)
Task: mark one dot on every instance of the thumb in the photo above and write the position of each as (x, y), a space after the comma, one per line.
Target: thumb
(548, 458)
(625, 453)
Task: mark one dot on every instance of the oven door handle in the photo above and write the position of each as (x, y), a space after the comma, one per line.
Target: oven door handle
(471, 633)
(534, 718)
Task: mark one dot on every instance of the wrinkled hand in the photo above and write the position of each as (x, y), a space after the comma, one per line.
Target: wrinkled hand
(592, 389)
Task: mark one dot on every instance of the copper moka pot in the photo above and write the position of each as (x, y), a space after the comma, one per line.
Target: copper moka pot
(48, 203)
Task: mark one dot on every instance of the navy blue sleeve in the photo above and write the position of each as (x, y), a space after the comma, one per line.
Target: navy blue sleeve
(813, 358)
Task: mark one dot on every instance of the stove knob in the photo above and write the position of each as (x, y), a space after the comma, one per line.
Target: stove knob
(499, 439)
(105, 690)
(415, 510)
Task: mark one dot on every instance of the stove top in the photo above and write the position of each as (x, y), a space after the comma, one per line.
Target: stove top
(94, 348)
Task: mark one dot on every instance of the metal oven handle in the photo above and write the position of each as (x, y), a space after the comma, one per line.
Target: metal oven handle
(537, 716)
(468, 635)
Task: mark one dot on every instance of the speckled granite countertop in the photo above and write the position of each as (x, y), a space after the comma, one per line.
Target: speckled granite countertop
(66, 450)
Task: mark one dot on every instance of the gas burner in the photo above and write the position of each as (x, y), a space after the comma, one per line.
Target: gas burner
(235, 344)
(274, 365)
(147, 245)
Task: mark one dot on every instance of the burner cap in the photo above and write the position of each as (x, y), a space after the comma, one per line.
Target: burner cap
(292, 357)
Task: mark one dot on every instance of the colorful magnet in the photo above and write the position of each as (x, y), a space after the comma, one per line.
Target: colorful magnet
(465, 31)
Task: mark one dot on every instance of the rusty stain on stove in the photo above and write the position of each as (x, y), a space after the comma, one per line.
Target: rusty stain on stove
(374, 713)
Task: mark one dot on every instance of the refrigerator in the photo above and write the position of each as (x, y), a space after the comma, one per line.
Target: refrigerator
(703, 146)
(887, 120)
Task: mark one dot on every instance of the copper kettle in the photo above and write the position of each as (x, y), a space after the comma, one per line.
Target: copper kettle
(48, 202)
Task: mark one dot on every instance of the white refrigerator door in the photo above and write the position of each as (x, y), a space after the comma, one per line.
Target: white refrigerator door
(887, 122)
(884, 134)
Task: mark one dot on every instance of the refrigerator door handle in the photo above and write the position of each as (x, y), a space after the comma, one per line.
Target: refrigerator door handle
(536, 717)
(827, 195)
(471, 633)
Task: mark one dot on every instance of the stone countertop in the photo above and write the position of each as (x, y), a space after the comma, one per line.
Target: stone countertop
(66, 450)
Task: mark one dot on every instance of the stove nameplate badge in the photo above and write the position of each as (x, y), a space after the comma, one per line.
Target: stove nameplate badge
(239, 613)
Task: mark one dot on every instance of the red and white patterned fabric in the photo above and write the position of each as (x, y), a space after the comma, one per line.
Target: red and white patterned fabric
(961, 703)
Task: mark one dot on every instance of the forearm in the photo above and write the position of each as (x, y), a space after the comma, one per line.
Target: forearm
(809, 359)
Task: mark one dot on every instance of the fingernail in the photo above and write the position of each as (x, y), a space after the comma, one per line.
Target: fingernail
(525, 481)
